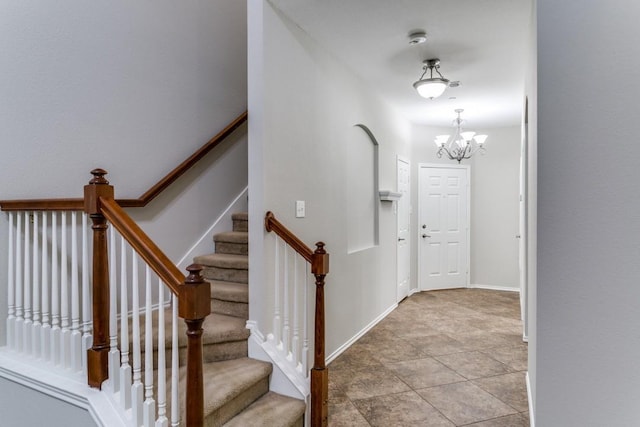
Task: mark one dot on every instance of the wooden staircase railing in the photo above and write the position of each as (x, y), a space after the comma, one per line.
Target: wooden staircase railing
(193, 291)
(319, 260)
(70, 204)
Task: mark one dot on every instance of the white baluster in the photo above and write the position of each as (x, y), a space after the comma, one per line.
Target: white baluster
(26, 330)
(162, 421)
(36, 330)
(149, 410)
(87, 337)
(295, 341)
(114, 353)
(11, 287)
(175, 403)
(19, 323)
(45, 336)
(305, 320)
(137, 389)
(125, 368)
(55, 292)
(65, 334)
(76, 335)
(286, 331)
(276, 306)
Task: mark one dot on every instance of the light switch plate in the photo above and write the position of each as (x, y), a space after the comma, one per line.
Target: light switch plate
(300, 209)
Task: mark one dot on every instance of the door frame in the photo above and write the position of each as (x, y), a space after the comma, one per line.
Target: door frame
(397, 210)
(468, 216)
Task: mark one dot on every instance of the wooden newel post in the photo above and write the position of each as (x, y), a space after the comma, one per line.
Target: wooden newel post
(193, 306)
(97, 355)
(319, 372)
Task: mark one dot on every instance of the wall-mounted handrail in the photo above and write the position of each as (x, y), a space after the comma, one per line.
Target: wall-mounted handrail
(319, 260)
(272, 224)
(72, 204)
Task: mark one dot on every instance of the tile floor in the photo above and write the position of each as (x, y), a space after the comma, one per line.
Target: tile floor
(442, 358)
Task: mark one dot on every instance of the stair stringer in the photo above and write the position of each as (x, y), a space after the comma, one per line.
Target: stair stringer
(285, 379)
(222, 223)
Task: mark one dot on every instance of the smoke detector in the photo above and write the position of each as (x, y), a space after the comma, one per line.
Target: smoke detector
(417, 37)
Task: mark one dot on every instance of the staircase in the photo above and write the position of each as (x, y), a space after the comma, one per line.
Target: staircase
(236, 388)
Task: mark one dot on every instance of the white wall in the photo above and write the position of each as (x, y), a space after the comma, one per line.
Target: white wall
(22, 406)
(494, 203)
(305, 106)
(588, 316)
(132, 87)
(495, 191)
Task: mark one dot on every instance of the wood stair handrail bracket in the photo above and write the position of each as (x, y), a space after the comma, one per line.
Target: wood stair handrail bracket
(319, 260)
(71, 204)
(193, 291)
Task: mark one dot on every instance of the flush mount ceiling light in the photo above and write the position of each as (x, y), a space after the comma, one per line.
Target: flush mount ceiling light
(462, 145)
(417, 37)
(431, 87)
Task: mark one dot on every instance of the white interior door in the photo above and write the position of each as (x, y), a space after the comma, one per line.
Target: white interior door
(404, 219)
(443, 226)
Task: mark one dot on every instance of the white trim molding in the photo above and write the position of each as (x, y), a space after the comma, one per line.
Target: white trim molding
(285, 379)
(223, 223)
(495, 287)
(64, 386)
(532, 422)
(357, 336)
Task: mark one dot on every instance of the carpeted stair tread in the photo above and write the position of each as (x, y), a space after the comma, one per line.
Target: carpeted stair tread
(240, 221)
(230, 386)
(232, 261)
(273, 410)
(232, 237)
(240, 216)
(217, 328)
(229, 291)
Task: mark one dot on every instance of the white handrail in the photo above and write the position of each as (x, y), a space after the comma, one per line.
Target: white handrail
(76, 336)
(11, 285)
(49, 313)
(290, 336)
(137, 387)
(36, 330)
(26, 327)
(149, 410)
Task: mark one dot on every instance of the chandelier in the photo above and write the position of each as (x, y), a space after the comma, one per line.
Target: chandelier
(431, 87)
(462, 145)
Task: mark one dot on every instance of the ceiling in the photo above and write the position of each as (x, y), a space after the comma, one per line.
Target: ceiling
(481, 43)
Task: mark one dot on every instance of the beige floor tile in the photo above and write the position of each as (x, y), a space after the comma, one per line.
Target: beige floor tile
(345, 414)
(436, 345)
(402, 409)
(510, 388)
(430, 340)
(474, 364)
(369, 381)
(508, 421)
(422, 373)
(465, 403)
(515, 357)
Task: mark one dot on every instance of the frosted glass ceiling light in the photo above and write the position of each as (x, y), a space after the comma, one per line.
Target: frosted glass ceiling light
(461, 145)
(431, 87)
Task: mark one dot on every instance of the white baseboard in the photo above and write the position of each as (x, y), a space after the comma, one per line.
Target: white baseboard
(532, 422)
(413, 291)
(70, 387)
(494, 288)
(357, 336)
